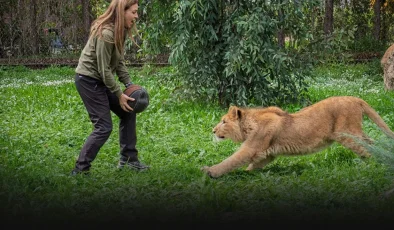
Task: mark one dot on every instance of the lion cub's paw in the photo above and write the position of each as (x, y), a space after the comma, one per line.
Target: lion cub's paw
(206, 170)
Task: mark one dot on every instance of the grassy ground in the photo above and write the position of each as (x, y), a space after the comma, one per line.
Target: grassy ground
(44, 124)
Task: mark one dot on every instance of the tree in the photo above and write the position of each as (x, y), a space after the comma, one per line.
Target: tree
(228, 51)
(329, 17)
(34, 28)
(87, 17)
(281, 34)
(376, 20)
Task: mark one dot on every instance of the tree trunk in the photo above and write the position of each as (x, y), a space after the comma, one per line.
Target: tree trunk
(376, 20)
(33, 28)
(281, 34)
(329, 17)
(87, 17)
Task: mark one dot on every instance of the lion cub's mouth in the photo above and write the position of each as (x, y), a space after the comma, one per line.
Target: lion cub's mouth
(218, 138)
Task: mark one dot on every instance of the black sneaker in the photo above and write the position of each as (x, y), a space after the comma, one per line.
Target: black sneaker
(136, 165)
(79, 172)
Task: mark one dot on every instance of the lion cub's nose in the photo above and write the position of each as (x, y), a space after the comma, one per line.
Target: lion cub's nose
(213, 130)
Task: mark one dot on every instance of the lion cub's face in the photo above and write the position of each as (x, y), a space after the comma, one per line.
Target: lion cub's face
(228, 127)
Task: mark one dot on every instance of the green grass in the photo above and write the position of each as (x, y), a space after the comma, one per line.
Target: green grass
(44, 124)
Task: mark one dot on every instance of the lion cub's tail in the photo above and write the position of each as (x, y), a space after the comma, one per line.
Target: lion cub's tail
(375, 117)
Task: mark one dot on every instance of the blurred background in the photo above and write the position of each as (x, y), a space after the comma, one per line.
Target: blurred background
(47, 31)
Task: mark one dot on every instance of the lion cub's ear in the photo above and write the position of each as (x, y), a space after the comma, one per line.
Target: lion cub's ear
(235, 112)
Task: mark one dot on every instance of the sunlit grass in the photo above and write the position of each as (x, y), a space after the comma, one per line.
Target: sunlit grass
(44, 125)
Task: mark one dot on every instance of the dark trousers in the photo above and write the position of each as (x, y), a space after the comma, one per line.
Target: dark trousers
(99, 103)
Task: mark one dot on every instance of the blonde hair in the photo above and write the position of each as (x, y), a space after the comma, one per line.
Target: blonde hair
(114, 14)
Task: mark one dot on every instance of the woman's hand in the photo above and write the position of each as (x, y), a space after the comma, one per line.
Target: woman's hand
(123, 102)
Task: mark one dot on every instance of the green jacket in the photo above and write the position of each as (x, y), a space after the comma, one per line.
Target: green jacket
(101, 60)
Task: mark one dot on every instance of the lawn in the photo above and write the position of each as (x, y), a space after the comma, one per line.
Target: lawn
(44, 124)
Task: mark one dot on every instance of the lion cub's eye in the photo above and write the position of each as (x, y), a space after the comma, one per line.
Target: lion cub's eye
(223, 121)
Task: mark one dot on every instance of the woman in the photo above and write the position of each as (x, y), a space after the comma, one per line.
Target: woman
(101, 59)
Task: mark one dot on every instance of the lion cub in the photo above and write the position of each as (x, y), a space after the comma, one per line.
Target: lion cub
(269, 132)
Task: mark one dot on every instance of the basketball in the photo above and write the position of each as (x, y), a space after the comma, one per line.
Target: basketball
(140, 95)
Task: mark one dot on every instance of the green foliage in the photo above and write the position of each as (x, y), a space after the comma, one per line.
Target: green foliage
(333, 48)
(358, 17)
(367, 44)
(99, 6)
(371, 71)
(156, 26)
(229, 53)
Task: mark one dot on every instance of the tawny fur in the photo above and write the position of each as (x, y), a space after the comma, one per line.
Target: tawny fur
(387, 63)
(266, 133)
